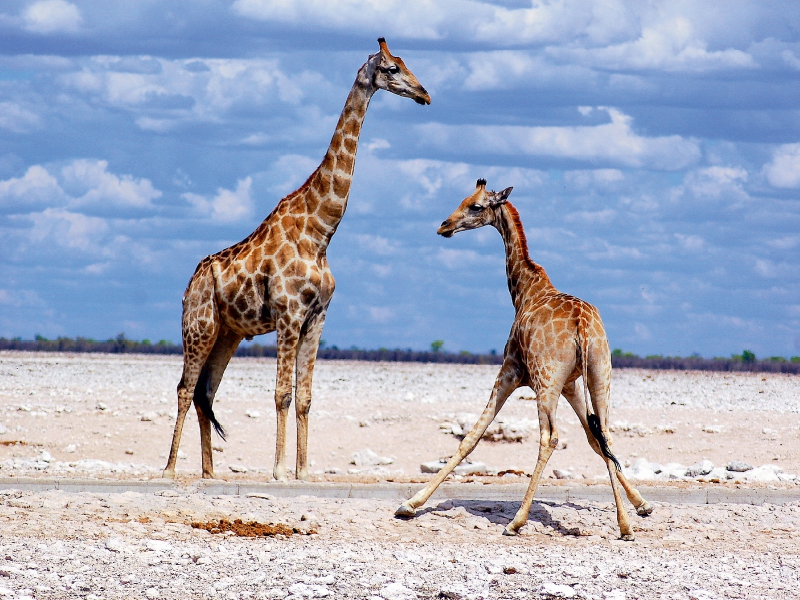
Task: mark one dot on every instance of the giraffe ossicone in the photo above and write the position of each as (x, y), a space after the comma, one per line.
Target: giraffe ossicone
(555, 339)
(278, 279)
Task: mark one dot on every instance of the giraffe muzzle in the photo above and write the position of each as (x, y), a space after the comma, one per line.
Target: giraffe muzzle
(445, 230)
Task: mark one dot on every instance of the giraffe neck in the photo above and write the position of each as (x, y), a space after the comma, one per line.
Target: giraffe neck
(525, 277)
(325, 194)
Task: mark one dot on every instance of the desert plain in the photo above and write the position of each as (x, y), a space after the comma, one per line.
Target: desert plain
(110, 418)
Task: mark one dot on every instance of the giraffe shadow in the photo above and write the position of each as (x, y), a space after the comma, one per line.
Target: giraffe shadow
(502, 512)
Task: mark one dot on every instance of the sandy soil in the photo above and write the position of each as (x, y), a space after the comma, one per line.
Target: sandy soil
(89, 408)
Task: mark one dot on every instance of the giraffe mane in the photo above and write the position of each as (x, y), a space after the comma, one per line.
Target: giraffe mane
(523, 240)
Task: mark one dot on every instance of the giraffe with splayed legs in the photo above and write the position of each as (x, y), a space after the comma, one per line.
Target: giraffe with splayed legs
(555, 339)
(278, 279)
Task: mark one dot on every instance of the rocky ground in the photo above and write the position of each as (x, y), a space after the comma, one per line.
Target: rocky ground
(110, 417)
(60, 545)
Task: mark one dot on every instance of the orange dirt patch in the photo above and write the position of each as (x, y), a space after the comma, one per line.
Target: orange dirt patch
(249, 529)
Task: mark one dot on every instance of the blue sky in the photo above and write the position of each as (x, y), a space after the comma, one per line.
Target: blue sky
(654, 150)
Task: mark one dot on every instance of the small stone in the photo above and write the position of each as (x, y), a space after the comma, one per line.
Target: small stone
(712, 428)
(562, 474)
(253, 414)
(168, 493)
(217, 448)
(738, 466)
(129, 452)
(115, 545)
(397, 591)
(151, 593)
(559, 591)
(102, 406)
(363, 423)
(369, 458)
(158, 545)
(149, 416)
(704, 467)
(238, 468)
(276, 593)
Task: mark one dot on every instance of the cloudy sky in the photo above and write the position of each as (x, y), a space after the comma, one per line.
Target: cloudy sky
(654, 150)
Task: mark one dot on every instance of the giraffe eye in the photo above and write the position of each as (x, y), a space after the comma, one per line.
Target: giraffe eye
(476, 207)
(393, 70)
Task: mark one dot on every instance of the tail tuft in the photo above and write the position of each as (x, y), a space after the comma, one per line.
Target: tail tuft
(201, 393)
(597, 432)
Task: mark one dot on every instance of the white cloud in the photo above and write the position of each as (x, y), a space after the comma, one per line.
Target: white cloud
(666, 45)
(614, 142)
(52, 16)
(717, 182)
(227, 205)
(377, 244)
(36, 186)
(459, 259)
(104, 187)
(412, 18)
(691, 243)
(18, 119)
(784, 169)
(381, 314)
(67, 229)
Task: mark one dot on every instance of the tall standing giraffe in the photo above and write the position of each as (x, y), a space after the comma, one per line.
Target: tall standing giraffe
(278, 279)
(555, 339)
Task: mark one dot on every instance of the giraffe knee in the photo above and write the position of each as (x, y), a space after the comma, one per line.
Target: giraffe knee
(553, 443)
(283, 401)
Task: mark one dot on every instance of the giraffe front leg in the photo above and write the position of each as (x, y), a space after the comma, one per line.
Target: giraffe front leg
(288, 335)
(507, 381)
(306, 359)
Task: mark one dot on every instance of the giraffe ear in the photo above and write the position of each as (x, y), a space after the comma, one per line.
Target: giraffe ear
(499, 198)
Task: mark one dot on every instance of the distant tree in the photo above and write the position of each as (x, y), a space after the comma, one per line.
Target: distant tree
(748, 356)
(436, 345)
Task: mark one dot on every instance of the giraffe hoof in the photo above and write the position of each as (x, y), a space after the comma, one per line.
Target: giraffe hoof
(405, 511)
(208, 475)
(644, 509)
(628, 537)
(510, 531)
(168, 474)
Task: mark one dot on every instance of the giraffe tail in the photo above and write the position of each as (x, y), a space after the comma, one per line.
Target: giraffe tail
(594, 421)
(202, 400)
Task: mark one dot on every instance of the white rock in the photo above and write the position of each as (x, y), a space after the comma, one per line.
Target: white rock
(276, 593)
(301, 589)
(642, 469)
(102, 406)
(712, 428)
(704, 467)
(46, 456)
(238, 468)
(151, 593)
(115, 545)
(763, 473)
(559, 591)
(507, 429)
(253, 414)
(368, 458)
(673, 471)
(562, 474)
(70, 449)
(737, 466)
(465, 468)
(397, 591)
(158, 545)
(149, 416)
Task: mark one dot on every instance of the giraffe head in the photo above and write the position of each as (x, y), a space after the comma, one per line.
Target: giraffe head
(475, 210)
(391, 74)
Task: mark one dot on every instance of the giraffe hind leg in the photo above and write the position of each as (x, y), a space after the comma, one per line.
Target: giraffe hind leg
(210, 378)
